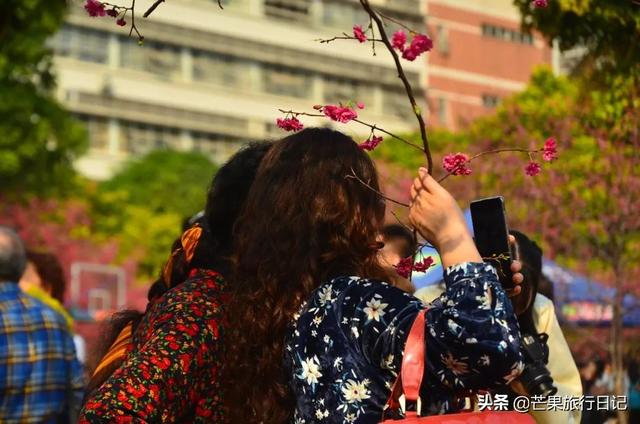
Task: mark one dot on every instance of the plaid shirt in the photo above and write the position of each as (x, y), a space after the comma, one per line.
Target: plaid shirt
(38, 365)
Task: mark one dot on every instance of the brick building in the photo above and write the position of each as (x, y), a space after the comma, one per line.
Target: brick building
(479, 56)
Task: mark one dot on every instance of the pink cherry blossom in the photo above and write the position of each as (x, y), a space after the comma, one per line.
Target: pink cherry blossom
(550, 150)
(404, 267)
(540, 3)
(360, 105)
(399, 40)
(340, 113)
(419, 44)
(424, 265)
(121, 22)
(409, 54)
(359, 33)
(371, 143)
(532, 169)
(112, 12)
(289, 124)
(456, 164)
(94, 8)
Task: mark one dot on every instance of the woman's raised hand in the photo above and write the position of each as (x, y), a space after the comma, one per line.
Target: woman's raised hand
(436, 215)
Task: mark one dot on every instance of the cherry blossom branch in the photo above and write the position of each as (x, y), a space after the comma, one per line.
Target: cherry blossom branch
(97, 8)
(345, 36)
(463, 164)
(354, 176)
(407, 86)
(397, 137)
(153, 7)
(359, 121)
(395, 215)
(397, 22)
(133, 22)
(373, 43)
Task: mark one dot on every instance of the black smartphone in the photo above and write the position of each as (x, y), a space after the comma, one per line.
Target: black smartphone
(491, 235)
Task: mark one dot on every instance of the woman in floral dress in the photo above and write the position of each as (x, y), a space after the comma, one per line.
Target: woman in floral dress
(166, 367)
(317, 336)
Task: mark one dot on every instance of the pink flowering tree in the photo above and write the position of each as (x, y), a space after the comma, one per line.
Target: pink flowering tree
(584, 210)
(62, 227)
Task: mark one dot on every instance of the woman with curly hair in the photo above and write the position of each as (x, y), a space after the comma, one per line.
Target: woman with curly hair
(315, 334)
(163, 366)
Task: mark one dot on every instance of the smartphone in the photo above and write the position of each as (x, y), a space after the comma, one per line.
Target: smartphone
(492, 236)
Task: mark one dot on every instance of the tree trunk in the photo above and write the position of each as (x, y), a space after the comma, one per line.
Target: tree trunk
(617, 342)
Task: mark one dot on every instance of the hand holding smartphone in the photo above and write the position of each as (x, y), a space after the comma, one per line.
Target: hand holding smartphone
(492, 236)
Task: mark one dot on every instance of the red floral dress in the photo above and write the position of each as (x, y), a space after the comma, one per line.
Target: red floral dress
(171, 374)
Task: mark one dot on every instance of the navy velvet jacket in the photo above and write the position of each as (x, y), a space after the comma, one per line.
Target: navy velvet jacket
(344, 349)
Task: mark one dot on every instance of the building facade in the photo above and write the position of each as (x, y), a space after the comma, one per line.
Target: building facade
(480, 56)
(210, 80)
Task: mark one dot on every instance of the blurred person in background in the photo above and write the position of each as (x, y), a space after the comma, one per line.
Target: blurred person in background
(399, 243)
(529, 303)
(604, 385)
(545, 287)
(163, 365)
(40, 377)
(44, 279)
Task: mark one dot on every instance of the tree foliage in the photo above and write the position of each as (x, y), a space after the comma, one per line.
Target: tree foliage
(40, 140)
(165, 181)
(608, 30)
(144, 204)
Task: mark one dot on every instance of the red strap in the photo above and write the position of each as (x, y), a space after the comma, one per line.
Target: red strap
(413, 359)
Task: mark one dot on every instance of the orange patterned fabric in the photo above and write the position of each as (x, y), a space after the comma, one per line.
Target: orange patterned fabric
(117, 351)
(188, 242)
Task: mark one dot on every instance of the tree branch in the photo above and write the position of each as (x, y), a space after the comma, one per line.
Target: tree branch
(364, 183)
(151, 8)
(366, 124)
(488, 152)
(407, 86)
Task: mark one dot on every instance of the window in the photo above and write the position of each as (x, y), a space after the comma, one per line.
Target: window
(98, 130)
(142, 138)
(395, 103)
(343, 14)
(218, 147)
(292, 10)
(219, 69)
(159, 59)
(442, 111)
(238, 5)
(506, 34)
(81, 43)
(286, 81)
(343, 90)
(442, 39)
(490, 100)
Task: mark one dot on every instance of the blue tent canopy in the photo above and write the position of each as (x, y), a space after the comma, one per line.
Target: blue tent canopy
(578, 299)
(583, 301)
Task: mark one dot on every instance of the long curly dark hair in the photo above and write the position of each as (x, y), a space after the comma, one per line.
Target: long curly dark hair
(306, 221)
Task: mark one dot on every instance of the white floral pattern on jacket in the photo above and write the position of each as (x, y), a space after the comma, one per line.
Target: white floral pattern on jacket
(344, 348)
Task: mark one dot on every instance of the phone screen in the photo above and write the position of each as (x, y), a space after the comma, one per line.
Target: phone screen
(492, 236)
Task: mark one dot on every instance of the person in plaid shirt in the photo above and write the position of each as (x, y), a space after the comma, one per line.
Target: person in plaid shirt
(40, 377)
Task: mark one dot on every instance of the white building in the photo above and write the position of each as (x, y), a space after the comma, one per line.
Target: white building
(209, 80)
